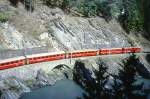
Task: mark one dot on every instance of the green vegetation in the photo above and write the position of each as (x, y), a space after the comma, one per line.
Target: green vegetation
(132, 14)
(86, 7)
(29, 82)
(122, 86)
(128, 75)
(0, 93)
(133, 17)
(146, 7)
(3, 17)
(14, 2)
(54, 3)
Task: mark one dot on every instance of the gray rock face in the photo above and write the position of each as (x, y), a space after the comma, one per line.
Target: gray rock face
(63, 72)
(11, 38)
(12, 88)
(42, 79)
(3, 8)
(9, 95)
(53, 28)
(79, 33)
(58, 73)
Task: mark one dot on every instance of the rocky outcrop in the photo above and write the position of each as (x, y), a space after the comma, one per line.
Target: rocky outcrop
(11, 38)
(12, 88)
(57, 73)
(58, 31)
(81, 33)
(42, 79)
(9, 95)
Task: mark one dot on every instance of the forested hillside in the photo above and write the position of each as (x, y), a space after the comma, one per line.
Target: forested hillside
(132, 14)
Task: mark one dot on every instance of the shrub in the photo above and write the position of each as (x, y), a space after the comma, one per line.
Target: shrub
(54, 3)
(4, 17)
(133, 19)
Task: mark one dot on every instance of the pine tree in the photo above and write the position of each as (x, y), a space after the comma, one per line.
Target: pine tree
(14, 2)
(117, 92)
(101, 79)
(128, 77)
(76, 72)
(95, 87)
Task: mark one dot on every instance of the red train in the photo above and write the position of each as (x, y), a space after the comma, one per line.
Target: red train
(45, 57)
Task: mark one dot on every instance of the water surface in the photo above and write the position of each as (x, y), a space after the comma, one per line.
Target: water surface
(64, 89)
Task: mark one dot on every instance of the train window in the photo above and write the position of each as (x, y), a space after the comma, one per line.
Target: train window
(6, 63)
(38, 57)
(3, 63)
(51, 56)
(20, 60)
(13, 62)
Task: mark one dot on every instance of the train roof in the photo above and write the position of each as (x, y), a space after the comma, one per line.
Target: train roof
(12, 59)
(119, 47)
(82, 50)
(45, 54)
